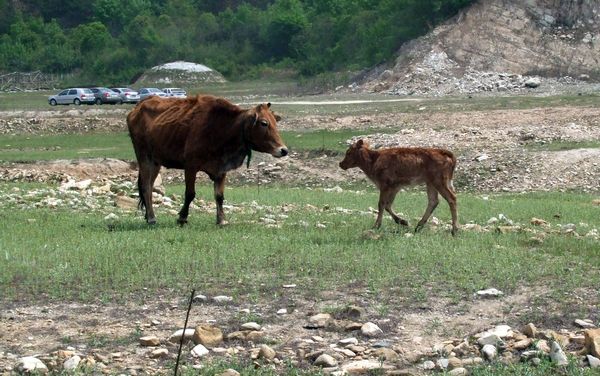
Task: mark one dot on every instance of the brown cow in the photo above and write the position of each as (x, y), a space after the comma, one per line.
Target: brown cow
(202, 133)
(390, 169)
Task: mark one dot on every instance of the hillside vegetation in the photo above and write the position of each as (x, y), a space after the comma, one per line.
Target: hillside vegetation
(114, 41)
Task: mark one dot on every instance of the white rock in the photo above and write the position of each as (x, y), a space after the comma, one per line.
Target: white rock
(584, 324)
(72, 362)
(222, 299)
(458, 372)
(199, 351)
(371, 330)
(187, 336)
(490, 352)
(251, 326)
(492, 292)
(325, 360)
(361, 367)
(282, 311)
(593, 361)
(557, 355)
(428, 365)
(348, 341)
(30, 364)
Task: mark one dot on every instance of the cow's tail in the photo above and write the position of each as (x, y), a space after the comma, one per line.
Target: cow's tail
(452, 162)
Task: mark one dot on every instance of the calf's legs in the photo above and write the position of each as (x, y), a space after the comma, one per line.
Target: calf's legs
(219, 188)
(386, 199)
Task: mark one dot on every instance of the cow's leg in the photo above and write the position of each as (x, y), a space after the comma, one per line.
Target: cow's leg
(432, 196)
(190, 194)
(219, 186)
(147, 175)
(386, 195)
(388, 208)
(450, 196)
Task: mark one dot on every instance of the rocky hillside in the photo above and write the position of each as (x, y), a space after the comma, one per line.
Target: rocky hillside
(499, 45)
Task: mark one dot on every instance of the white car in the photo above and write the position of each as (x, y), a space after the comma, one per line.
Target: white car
(175, 92)
(146, 92)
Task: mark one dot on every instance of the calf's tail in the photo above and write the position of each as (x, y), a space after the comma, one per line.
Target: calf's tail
(142, 201)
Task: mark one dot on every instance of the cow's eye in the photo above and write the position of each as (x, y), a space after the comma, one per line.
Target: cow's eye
(264, 123)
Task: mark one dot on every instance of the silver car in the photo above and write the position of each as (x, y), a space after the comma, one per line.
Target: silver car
(146, 92)
(74, 96)
(128, 95)
(175, 92)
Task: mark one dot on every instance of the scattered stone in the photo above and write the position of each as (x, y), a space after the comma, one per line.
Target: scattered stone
(385, 354)
(585, 324)
(490, 352)
(361, 367)
(187, 336)
(30, 364)
(529, 330)
(320, 320)
(149, 341)
(229, 372)
(325, 360)
(538, 222)
(159, 353)
(454, 362)
(592, 342)
(282, 311)
(557, 354)
(428, 365)
(199, 351)
(371, 330)
(208, 335)
(490, 339)
(200, 299)
(348, 341)
(458, 372)
(266, 353)
(222, 299)
(533, 82)
(72, 363)
(543, 346)
(489, 293)
(251, 326)
(593, 361)
(522, 344)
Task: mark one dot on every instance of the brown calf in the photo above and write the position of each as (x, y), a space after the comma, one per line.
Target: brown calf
(390, 169)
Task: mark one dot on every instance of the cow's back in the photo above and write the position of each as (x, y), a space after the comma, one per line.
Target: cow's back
(168, 129)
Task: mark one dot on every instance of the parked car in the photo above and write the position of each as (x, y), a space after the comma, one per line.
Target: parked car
(175, 92)
(146, 92)
(105, 95)
(75, 96)
(127, 95)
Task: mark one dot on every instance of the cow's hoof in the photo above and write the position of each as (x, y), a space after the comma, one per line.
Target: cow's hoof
(222, 223)
(181, 221)
(151, 221)
(402, 222)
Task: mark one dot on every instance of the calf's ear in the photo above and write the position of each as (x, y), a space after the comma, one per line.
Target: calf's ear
(359, 143)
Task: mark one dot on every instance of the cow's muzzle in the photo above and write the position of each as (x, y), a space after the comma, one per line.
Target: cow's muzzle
(280, 152)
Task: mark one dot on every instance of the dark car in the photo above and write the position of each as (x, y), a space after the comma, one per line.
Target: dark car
(105, 95)
(127, 95)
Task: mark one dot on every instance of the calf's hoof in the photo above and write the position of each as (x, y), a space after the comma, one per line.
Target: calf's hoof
(402, 222)
(181, 221)
(222, 223)
(151, 221)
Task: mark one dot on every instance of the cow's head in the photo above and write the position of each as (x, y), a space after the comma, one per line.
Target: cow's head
(355, 154)
(262, 134)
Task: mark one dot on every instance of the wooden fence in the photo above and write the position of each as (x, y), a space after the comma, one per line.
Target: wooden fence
(19, 81)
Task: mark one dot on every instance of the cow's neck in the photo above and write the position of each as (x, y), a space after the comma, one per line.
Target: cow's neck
(239, 150)
(366, 164)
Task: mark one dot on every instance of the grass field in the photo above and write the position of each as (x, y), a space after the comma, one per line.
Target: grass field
(317, 239)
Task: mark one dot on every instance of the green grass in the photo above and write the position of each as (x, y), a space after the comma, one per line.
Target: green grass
(564, 145)
(62, 254)
(29, 148)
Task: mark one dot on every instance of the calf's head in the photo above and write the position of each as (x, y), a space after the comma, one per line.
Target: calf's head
(262, 134)
(355, 153)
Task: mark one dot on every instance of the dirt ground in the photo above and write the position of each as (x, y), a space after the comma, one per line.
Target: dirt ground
(500, 150)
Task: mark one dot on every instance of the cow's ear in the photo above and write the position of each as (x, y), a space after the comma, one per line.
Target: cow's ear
(359, 143)
(277, 117)
(269, 105)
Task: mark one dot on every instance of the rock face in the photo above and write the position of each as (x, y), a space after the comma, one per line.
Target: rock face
(498, 45)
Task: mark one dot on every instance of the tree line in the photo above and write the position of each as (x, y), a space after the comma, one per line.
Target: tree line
(114, 41)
